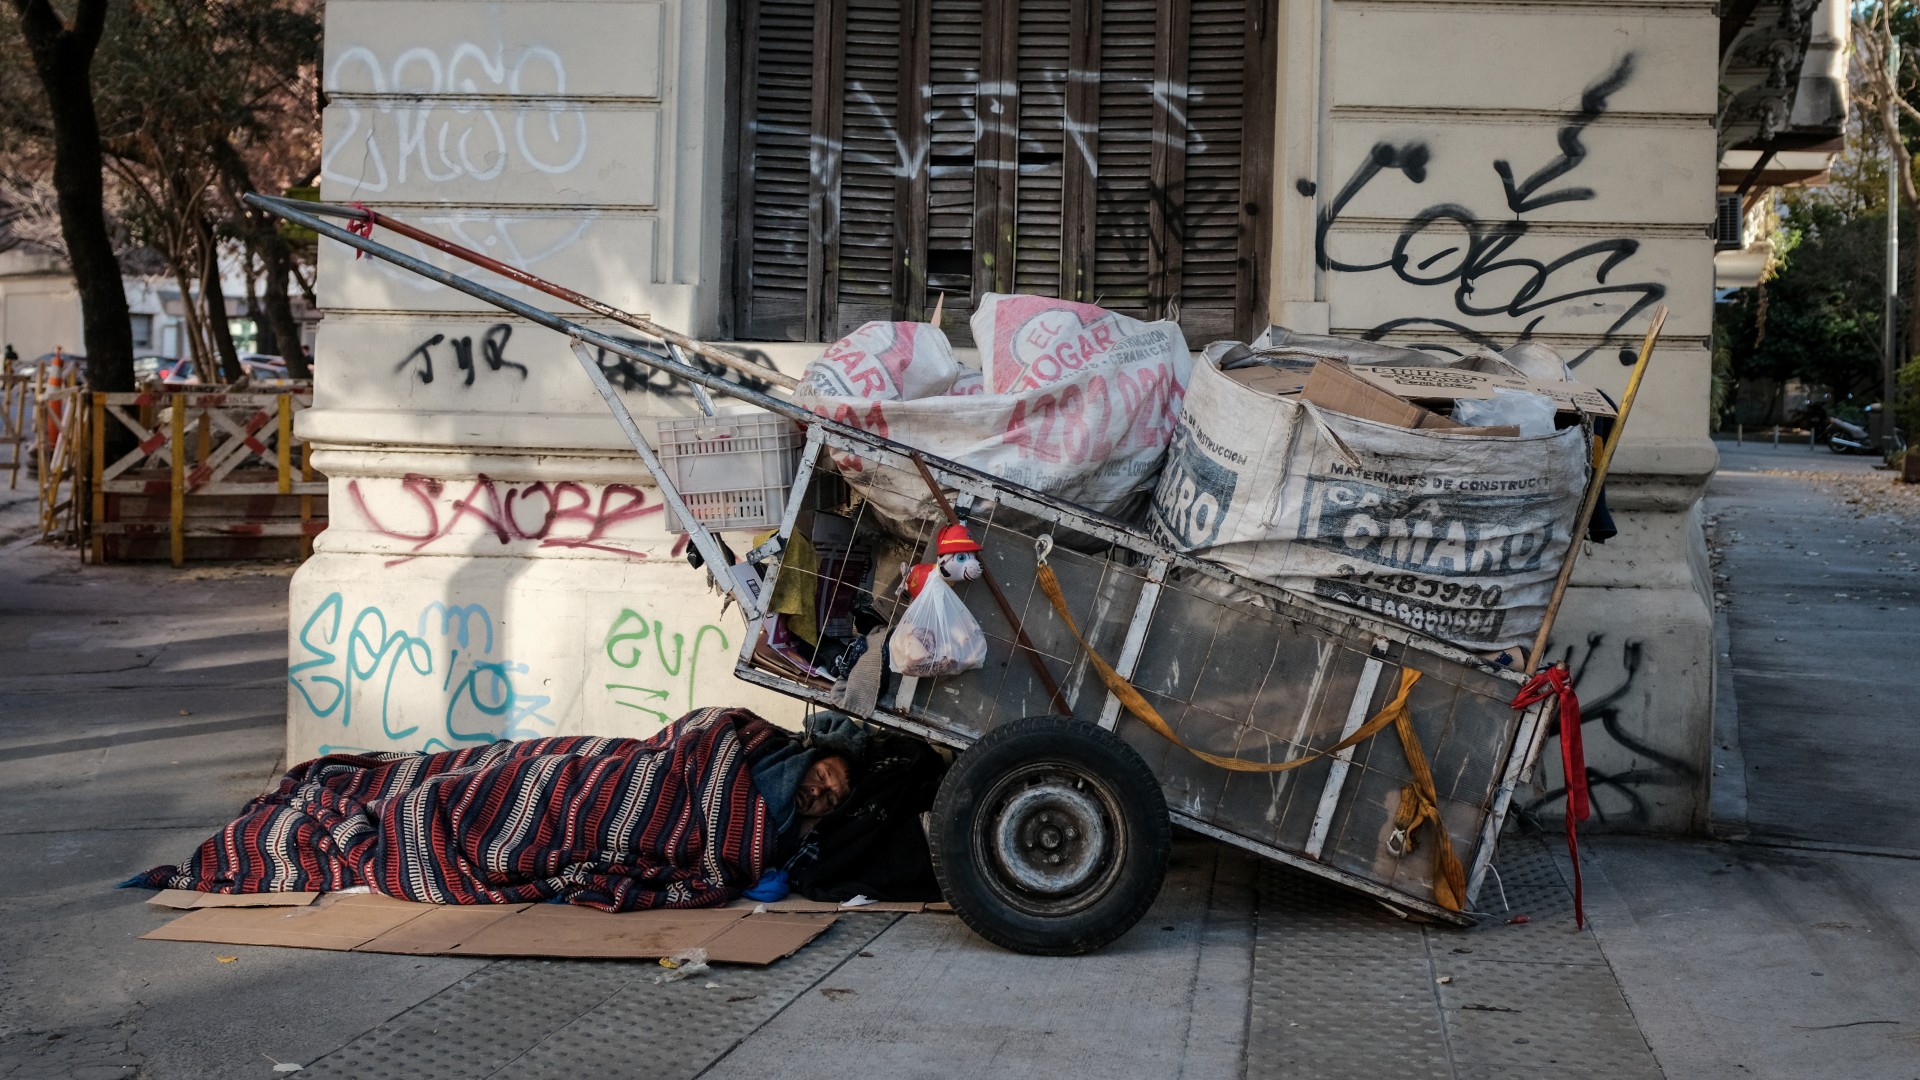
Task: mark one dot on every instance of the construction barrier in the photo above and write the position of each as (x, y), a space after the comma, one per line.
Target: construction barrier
(16, 422)
(225, 469)
(59, 430)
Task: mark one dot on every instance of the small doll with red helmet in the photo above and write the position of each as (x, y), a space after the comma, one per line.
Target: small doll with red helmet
(957, 556)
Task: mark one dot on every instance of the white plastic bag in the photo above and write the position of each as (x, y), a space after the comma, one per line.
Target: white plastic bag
(936, 635)
(1531, 413)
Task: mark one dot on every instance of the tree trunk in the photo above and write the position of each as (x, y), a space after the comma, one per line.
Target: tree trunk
(216, 298)
(196, 341)
(278, 262)
(63, 59)
(263, 236)
(1911, 301)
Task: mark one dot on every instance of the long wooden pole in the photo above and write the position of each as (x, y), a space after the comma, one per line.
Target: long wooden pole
(1602, 462)
(1020, 639)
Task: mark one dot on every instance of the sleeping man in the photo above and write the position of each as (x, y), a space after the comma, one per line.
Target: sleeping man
(691, 817)
(852, 823)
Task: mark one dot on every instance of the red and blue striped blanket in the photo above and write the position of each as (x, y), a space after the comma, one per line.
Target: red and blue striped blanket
(617, 824)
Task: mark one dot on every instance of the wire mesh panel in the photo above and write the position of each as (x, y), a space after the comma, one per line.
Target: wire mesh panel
(1237, 680)
(1265, 681)
(1464, 727)
(1103, 595)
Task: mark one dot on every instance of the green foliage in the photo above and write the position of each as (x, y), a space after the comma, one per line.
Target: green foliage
(1819, 318)
(1907, 389)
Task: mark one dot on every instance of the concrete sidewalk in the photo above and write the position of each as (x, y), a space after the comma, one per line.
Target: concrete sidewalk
(1791, 954)
(139, 706)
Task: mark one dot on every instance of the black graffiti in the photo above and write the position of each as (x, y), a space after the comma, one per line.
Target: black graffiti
(630, 375)
(1593, 103)
(1448, 245)
(493, 353)
(1606, 710)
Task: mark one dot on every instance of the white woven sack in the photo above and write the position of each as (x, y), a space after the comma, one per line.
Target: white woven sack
(1457, 536)
(884, 361)
(1095, 437)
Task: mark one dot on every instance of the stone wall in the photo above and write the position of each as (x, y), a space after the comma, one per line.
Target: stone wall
(497, 563)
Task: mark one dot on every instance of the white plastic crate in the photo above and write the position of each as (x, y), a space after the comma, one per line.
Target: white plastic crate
(734, 470)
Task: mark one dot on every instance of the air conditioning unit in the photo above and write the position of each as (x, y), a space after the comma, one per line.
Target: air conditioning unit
(1729, 223)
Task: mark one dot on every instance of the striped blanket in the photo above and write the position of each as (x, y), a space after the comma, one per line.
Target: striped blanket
(616, 824)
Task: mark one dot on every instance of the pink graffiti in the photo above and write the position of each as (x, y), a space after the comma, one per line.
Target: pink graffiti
(557, 515)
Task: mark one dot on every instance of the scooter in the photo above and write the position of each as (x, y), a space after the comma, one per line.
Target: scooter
(1849, 438)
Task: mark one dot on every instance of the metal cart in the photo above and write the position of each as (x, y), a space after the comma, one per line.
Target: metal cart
(1051, 830)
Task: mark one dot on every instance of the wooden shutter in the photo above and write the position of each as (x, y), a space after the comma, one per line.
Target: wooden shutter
(870, 161)
(1212, 171)
(897, 151)
(953, 132)
(770, 281)
(1123, 187)
(1043, 57)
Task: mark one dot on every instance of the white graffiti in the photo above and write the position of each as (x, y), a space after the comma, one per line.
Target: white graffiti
(390, 143)
(990, 107)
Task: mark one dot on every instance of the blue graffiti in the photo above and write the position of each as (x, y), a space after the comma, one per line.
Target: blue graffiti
(486, 696)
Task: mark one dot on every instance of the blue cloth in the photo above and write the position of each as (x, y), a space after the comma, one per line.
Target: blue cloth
(771, 888)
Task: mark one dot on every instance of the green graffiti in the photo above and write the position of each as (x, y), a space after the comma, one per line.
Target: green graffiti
(624, 649)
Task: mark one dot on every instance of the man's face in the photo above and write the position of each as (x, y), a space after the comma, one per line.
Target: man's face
(824, 787)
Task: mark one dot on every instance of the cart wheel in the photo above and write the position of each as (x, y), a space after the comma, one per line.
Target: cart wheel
(1050, 836)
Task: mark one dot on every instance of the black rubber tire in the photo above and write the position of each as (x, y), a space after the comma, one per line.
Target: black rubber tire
(1050, 768)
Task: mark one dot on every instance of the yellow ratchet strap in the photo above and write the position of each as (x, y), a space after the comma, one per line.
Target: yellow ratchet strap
(1419, 801)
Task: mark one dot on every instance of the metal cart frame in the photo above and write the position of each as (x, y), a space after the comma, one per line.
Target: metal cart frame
(1151, 583)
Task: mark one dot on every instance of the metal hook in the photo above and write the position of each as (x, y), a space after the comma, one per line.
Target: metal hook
(700, 395)
(1042, 548)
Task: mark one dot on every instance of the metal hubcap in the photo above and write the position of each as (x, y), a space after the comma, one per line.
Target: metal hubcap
(1049, 838)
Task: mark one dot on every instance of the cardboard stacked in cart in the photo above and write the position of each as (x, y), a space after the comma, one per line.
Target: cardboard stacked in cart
(1409, 397)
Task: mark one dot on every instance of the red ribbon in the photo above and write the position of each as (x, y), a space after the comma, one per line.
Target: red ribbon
(362, 228)
(1556, 683)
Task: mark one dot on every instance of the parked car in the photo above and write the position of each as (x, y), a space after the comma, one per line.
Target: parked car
(69, 364)
(259, 367)
(264, 368)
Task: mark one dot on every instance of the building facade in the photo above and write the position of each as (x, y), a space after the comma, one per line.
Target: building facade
(775, 172)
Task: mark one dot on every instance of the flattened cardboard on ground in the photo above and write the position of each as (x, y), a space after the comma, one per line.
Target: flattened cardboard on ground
(187, 899)
(798, 904)
(365, 922)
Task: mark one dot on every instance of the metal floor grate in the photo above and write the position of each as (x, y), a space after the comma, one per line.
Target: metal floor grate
(528, 1019)
(1342, 988)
